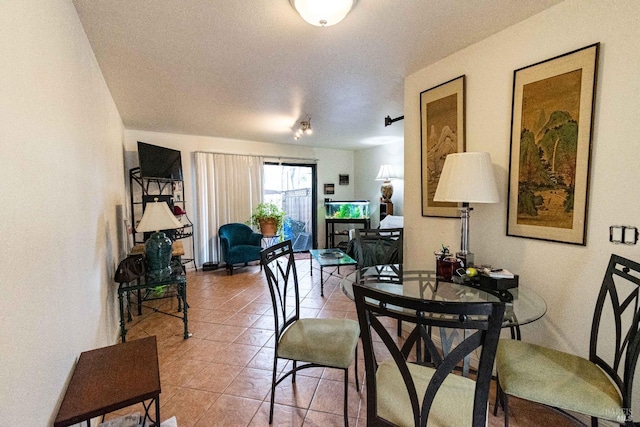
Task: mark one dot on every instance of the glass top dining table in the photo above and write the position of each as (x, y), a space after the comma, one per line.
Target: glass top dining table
(526, 306)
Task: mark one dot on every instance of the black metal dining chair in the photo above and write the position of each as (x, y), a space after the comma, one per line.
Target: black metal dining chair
(600, 386)
(378, 253)
(316, 342)
(377, 247)
(401, 391)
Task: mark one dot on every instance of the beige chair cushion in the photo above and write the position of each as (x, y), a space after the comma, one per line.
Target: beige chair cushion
(329, 342)
(557, 379)
(453, 405)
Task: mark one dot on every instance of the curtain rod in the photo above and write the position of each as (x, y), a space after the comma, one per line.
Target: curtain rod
(263, 156)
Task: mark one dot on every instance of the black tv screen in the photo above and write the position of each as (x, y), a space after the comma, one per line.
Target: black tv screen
(159, 162)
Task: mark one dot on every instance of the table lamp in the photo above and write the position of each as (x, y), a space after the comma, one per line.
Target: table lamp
(467, 178)
(157, 249)
(386, 174)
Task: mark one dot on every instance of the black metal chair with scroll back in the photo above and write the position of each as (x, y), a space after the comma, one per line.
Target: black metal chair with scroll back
(378, 253)
(379, 247)
(600, 386)
(404, 393)
(319, 342)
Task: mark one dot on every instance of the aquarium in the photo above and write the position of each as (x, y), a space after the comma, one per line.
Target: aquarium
(347, 209)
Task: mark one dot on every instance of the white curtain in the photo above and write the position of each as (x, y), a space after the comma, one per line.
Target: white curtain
(228, 187)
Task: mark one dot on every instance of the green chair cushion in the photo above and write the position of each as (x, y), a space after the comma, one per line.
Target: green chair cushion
(329, 342)
(452, 406)
(557, 379)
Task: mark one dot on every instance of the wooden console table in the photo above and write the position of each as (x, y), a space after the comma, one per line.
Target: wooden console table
(111, 378)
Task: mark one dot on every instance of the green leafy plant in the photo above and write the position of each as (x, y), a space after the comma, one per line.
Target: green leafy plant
(266, 211)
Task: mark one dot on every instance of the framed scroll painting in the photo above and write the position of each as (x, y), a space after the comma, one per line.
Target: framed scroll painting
(551, 131)
(442, 110)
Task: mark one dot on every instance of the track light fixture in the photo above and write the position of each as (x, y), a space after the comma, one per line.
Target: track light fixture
(304, 129)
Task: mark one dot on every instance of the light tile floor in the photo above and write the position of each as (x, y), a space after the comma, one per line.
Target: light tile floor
(221, 376)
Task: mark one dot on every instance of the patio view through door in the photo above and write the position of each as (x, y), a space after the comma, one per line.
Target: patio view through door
(292, 187)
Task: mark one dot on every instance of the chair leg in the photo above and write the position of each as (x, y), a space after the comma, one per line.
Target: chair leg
(497, 401)
(356, 372)
(273, 388)
(346, 397)
(501, 399)
(505, 407)
(399, 327)
(293, 376)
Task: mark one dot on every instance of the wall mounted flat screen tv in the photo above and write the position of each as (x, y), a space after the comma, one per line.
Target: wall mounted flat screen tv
(159, 162)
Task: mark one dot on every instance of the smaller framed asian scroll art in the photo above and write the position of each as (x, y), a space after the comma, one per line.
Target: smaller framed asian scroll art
(552, 121)
(441, 133)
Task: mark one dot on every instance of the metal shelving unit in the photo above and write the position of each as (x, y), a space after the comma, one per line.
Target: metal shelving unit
(143, 190)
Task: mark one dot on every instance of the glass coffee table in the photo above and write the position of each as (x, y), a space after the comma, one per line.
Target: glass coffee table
(329, 258)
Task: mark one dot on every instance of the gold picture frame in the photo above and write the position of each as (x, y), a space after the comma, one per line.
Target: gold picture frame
(551, 132)
(442, 132)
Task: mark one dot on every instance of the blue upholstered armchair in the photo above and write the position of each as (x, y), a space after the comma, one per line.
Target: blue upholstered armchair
(239, 244)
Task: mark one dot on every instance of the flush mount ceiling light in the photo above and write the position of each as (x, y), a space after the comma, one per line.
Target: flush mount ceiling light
(323, 13)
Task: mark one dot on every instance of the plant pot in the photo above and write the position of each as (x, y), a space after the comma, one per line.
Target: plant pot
(268, 227)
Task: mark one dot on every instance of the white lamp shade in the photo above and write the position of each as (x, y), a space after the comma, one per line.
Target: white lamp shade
(386, 173)
(323, 13)
(467, 177)
(157, 216)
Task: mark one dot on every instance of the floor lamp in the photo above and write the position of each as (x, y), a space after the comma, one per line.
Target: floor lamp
(467, 178)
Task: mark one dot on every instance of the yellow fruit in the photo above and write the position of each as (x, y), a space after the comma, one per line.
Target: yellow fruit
(471, 272)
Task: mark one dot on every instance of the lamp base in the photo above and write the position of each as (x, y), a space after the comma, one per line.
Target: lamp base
(465, 254)
(157, 251)
(467, 258)
(387, 191)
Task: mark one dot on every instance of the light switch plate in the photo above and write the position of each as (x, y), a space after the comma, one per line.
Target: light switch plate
(623, 234)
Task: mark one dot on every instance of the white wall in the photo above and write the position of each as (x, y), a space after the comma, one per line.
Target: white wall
(330, 163)
(366, 165)
(62, 177)
(567, 276)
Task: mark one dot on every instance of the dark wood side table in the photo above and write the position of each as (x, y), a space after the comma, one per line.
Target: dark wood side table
(386, 208)
(110, 378)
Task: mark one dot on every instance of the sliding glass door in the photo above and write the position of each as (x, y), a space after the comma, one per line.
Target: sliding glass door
(293, 188)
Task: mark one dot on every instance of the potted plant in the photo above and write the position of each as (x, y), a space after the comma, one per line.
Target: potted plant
(268, 218)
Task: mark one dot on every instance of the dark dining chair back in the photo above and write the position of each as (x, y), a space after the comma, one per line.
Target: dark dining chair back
(378, 246)
(320, 342)
(401, 391)
(378, 253)
(600, 387)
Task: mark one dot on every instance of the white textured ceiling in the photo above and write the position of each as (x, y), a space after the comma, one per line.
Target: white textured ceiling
(252, 69)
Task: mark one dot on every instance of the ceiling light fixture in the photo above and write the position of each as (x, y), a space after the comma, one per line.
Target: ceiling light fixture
(304, 129)
(323, 13)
